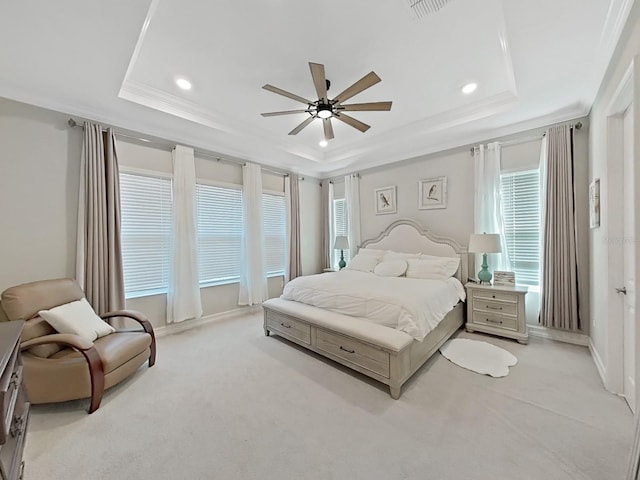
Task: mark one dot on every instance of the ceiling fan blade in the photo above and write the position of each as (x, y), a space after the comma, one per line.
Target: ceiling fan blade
(284, 93)
(365, 82)
(363, 127)
(367, 107)
(319, 80)
(301, 126)
(328, 128)
(287, 112)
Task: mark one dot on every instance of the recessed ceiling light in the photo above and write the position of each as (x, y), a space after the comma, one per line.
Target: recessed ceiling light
(323, 143)
(183, 84)
(469, 88)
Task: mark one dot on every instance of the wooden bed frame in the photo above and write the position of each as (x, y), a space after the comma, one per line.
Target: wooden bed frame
(385, 354)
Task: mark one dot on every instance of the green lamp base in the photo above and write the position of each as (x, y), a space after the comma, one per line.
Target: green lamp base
(342, 263)
(484, 275)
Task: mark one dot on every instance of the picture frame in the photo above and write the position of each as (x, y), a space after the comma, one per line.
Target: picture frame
(594, 203)
(432, 193)
(504, 278)
(385, 200)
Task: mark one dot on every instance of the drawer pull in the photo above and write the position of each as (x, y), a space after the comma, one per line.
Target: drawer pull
(489, 307)
(493, 296)
(17, 428)
(493, 321)
(346, 350)
(285, 325)
(13, 383)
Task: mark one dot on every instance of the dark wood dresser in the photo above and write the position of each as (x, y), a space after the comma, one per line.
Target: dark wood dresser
(13, 400)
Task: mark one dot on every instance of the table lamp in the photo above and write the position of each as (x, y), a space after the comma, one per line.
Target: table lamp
(342, 244)
(484, 243)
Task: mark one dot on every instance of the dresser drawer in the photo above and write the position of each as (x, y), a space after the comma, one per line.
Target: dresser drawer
(495, 320)
(10, 382)
(481, 295)
(365, 356)
(11, 452)
(493, 306)
(289, 327)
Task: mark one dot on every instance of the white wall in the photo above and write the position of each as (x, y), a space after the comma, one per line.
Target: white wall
(604, 248)
(39, 174)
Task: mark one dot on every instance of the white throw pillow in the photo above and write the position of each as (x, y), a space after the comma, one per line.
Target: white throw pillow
(363, 263)
(77, 317)
(427, 266)
(392, 268)
(391, 255)
(372, 251)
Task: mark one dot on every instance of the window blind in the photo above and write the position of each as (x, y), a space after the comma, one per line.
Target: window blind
(219, 231)
(340, 227)
(274, 231)
(146, 233)
(522, 223)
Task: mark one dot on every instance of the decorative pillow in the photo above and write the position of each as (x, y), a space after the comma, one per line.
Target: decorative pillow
(392, 268)
(372, 251)
(391, 255)
(427, 266)
(363, 263)
(77, 317)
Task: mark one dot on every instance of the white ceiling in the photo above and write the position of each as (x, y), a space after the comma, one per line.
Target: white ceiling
(536, 62)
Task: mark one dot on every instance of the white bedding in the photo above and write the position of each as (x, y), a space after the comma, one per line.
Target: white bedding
(412, 305)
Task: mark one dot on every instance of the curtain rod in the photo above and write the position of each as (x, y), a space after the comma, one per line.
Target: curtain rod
(517, 141)
(201, 153)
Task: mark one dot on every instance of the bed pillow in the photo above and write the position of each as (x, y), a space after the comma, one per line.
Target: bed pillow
(427, 266)
(363, 263)
(372, 251)
(392, 268)
(79, 318)
(391, 255)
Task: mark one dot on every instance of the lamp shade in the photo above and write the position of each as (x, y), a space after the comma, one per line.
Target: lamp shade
(342, 243)
(484, 243)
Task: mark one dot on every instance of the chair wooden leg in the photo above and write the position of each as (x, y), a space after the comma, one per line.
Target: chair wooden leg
(96, 373)
(152, 355)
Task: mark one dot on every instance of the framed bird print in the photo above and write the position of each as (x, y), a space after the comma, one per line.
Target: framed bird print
(385, 200)
(432, 193)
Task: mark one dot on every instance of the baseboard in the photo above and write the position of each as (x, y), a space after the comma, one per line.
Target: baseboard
(598, 361)
(558, 335)
(216, 317)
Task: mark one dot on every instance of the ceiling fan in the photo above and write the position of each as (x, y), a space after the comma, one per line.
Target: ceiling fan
(325, 108)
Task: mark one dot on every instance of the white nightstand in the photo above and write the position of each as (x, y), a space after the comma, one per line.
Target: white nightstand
(331, 270)
(498, 310)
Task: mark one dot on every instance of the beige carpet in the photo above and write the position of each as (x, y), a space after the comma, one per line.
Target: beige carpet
(226, 402)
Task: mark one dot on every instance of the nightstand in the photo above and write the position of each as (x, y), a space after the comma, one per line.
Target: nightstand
(330, 270)
(499, 310)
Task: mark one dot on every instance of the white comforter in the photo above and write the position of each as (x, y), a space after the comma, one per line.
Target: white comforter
(412, 305)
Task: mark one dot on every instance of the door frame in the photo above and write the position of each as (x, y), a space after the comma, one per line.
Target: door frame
(627, 93)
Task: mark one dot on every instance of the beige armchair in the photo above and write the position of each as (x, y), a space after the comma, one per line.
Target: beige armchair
(58, 367)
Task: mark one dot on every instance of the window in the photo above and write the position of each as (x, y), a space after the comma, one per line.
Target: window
(340, 227)
(219, 231)
(521, 210)
(146, 233)
(274, 230)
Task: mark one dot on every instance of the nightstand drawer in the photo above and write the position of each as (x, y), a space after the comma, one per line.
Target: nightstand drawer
(495, 320)
(493, 306)
(495, 296)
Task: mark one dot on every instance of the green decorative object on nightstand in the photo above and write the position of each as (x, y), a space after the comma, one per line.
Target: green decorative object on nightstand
(341, 243)
(484, 243)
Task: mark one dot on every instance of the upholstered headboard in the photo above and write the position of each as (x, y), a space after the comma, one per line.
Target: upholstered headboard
(409, 237)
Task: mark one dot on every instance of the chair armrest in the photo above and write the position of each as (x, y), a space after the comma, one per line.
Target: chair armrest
(132, 314)
(68, 339)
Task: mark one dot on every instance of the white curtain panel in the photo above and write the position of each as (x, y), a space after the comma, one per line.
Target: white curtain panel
(253, 278)
(287, 240)
(183, 296)
(331, 229)
(488, 203)
(352, 200)
(327, 223)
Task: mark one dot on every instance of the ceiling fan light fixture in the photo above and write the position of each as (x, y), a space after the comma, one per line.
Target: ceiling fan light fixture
(183, 83)
(324, 111)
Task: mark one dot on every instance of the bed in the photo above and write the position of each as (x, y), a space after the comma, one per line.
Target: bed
(364, 341)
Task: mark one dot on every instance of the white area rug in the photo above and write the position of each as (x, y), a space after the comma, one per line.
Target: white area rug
(480, 357)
